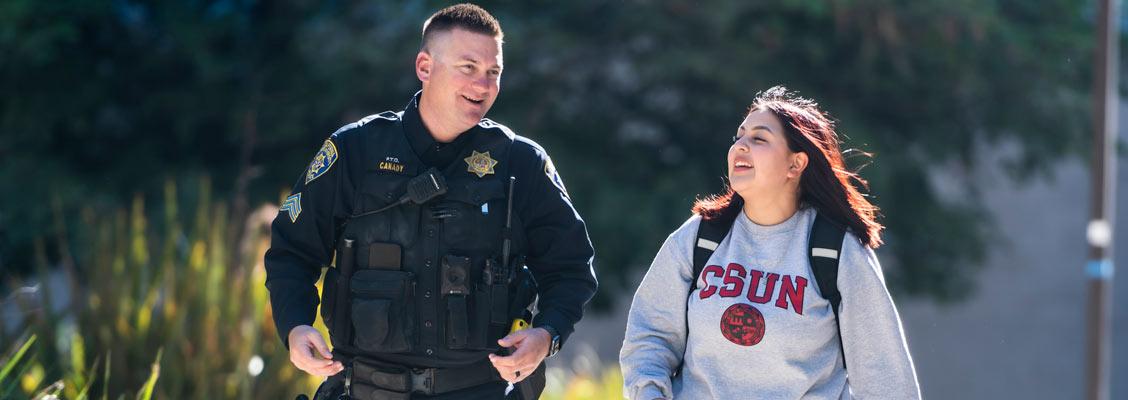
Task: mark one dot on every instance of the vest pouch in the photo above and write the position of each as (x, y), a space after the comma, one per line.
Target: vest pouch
(466, 305)
(455, 288)
(399, 224)
(383, 314)
(477, 216)
(486, 323)
(479, 332)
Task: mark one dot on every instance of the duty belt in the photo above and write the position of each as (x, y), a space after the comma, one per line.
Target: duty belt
(373, 379)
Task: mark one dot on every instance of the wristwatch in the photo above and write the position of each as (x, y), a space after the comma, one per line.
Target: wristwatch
(555, 346)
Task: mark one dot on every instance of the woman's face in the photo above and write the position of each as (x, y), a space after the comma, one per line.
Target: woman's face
(760, 165)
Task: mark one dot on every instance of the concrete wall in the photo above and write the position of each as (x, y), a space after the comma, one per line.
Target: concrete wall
(1023, 333)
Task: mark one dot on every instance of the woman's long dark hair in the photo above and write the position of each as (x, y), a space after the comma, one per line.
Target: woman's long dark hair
(825, 184)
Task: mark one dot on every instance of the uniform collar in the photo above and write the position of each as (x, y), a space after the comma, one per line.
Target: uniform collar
(431, 152)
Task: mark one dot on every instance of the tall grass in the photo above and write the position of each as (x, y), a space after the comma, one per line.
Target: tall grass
(169, 302)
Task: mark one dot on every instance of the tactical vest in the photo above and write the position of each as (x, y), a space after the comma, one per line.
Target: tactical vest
(424, 288)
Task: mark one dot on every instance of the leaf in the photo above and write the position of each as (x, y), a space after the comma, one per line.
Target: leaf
(5, 392)
(106, 376)
(89, 381)
(11, 363)
(146, 392)
(50, 392)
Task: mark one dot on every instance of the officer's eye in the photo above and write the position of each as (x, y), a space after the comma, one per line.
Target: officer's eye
(494, 72)
(466, 68)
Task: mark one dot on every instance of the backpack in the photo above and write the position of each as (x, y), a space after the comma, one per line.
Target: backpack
(823, 248)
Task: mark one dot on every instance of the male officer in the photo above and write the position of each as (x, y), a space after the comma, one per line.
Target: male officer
(431, 214)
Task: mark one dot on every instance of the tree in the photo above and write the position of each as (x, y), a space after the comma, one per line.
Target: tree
(635, 101)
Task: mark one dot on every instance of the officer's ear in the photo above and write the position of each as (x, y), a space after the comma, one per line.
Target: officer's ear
(423, 65)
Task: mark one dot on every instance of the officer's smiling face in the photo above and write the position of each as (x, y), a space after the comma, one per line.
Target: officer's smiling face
(461, 75)
(759, 160)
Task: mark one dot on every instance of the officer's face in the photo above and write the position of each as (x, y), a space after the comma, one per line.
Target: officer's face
(461, 75)
(760, 164)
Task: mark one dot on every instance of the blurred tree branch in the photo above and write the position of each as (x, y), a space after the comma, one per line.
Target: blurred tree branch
(634, 100)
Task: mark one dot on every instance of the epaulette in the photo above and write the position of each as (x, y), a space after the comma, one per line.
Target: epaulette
(490, 126)
(384, 116)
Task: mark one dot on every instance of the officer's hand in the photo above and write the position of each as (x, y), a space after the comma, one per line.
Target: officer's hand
(530, 348)
(309, 352)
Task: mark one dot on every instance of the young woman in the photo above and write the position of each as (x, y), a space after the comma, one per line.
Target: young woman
(756, 324)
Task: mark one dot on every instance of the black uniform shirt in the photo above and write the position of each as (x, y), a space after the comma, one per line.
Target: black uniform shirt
(558, 250)
(431, 152)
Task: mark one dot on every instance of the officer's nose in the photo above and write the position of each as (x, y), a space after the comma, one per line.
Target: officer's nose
(483, 83)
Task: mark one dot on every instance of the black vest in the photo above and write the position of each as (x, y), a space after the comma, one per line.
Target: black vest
(418, 293)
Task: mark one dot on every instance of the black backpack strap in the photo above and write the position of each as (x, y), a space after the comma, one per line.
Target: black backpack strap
(709, 235)
(824, 248)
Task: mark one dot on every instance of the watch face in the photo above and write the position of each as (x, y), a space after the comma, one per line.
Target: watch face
(555, 345)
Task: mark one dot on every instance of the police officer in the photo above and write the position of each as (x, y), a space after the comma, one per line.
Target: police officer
(442, 224)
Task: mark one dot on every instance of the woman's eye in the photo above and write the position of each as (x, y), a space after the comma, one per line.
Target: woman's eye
(759, 140)
(735, 138)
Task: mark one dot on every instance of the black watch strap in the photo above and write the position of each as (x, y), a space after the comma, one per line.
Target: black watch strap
(554, 346)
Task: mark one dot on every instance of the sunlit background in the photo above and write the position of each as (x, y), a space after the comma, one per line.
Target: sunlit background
(144, 147)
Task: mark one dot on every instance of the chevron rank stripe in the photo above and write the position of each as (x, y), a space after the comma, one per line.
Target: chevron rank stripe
(293, 206)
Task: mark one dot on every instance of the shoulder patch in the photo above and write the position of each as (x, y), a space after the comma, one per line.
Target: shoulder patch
(293, 206)
(322, 161)
(554, 176)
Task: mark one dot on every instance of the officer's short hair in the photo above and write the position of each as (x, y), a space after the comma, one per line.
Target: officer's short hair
(464, 16)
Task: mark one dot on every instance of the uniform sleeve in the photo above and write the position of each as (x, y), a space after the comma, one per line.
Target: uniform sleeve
(878, 363)
(559, 252)
(655, 339)
(303, 236)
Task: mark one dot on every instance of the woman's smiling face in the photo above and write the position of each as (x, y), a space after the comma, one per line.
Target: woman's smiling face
(759, 160)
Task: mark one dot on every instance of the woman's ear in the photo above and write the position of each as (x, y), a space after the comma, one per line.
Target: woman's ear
(798, 164)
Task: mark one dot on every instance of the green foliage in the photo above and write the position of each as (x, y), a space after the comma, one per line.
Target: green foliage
(186, 301)
(9, 383)
(146, 391)
(10, 363)
(633, 99)
(185, 296)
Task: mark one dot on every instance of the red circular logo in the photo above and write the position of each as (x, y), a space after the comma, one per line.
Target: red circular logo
(742, 324)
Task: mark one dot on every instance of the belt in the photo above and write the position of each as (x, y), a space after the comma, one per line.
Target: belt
(372, 379)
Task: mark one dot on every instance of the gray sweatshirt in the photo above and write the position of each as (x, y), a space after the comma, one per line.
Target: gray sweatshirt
(759, 328)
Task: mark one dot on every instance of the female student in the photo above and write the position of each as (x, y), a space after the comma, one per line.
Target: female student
(758, 320)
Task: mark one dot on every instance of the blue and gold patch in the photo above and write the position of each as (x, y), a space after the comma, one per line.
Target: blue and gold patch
(293, 206)
(550, 171)
(322, 161)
